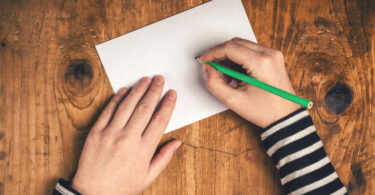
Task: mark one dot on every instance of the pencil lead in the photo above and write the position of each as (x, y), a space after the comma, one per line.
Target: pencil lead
(198, 59)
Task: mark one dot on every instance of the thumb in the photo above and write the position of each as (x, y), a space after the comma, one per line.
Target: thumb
(217, 86)
(161, 160)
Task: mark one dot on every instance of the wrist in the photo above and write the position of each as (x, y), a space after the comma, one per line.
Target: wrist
(79, 186)
(285, 117)
(280, 110)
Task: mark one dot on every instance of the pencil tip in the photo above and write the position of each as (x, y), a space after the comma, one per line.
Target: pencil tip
(198, 59)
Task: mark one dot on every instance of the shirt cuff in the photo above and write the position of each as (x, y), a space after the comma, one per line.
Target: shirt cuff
(64, 188)
(298, 153)
(280, 135)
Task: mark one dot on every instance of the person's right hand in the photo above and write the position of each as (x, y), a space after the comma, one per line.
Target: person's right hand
(267, 65)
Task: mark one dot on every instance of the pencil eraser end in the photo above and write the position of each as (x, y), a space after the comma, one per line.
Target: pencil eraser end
(310, 105)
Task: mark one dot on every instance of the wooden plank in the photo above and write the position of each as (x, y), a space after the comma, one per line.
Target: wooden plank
(52, 86)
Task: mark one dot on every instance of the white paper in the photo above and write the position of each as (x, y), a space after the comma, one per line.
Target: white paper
(168, 47)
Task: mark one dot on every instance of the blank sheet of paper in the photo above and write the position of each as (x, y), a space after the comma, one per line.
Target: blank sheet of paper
(168, 47)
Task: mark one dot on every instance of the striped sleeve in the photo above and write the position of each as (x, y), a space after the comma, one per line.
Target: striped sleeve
(298, 153)
(63, 188)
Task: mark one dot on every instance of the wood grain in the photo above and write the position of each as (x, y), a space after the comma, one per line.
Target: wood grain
(52, 86)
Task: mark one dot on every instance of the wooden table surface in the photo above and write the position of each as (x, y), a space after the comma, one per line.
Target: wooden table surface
(52, 86)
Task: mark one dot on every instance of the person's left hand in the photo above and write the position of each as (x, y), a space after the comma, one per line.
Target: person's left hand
(118, 156)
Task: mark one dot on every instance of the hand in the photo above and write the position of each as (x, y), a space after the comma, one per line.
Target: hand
(118, 156)
(255, 105)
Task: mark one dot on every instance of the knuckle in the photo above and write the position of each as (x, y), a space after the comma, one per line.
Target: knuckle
(123, 140)
(115, 99)
(228, 100)
(236, 39)
(123, 107)
(141, 87)
(160, 119)
(138, 89)
(126, 138)
(265, 60)
(277, 54)
(94, 136)
(119, 143)
(144, 107)
(106, 139)
(229, 44)
(107, 110)
(154, 90)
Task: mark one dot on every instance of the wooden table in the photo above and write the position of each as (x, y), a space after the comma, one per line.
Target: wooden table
(52, 86)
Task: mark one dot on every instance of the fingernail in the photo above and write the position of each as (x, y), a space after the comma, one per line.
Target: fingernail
(121, 91)
(172, 95)
(144, 80)
(158, 79)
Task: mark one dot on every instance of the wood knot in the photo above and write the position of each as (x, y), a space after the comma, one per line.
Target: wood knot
(78, 74)
(338, 98)
(78, 81)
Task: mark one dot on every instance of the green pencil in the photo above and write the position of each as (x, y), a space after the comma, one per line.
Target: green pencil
(245, 78)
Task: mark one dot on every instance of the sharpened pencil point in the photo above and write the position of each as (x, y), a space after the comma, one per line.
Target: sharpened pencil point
(198, 59)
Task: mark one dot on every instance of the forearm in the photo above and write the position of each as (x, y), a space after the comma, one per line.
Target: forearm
(298, 153)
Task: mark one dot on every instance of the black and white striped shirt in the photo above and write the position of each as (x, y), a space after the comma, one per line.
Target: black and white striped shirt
(297, 152)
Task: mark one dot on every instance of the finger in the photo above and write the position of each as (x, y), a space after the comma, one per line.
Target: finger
(107, 114)
(161, 160)
(160, 120)
(126, 107)
(249, 44)
(146, 107)
(218, 87)
(235, 52)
